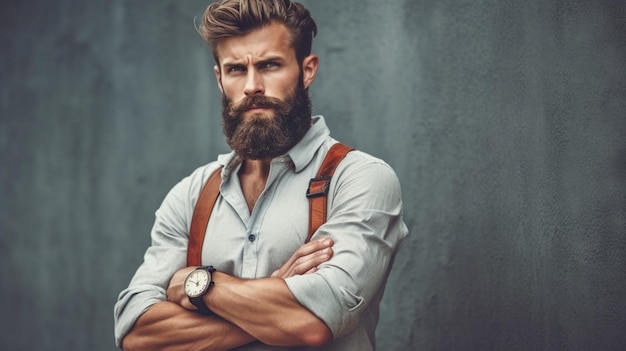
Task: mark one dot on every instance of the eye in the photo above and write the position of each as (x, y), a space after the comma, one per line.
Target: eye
(235, 69)
(269, 65)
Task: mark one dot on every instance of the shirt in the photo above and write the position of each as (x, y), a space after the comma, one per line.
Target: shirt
(364, 219)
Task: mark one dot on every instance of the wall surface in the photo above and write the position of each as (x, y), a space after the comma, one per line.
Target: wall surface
(505, 121)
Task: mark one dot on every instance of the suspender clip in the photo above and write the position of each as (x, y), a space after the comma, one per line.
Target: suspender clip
(318, 187)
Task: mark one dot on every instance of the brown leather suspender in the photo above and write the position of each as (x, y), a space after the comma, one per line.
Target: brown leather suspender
(200, 219)
(318, 186)
(317, 194)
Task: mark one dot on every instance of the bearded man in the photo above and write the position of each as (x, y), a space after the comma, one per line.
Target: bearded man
(261, 285)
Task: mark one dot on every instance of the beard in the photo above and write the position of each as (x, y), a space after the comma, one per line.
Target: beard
(263, 136)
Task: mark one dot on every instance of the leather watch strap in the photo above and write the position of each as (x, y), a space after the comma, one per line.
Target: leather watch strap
(199, 303)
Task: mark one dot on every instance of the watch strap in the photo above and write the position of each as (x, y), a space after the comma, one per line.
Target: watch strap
(198, 301)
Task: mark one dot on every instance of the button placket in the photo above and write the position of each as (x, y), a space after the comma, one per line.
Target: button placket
(250, 258)
(250, 254)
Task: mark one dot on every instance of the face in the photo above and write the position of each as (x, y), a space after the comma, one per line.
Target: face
(266, 108)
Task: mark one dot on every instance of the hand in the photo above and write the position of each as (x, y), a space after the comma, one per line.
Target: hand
(176, 292)
(306, 259)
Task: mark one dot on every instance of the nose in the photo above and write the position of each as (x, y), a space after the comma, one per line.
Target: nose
(254, 84)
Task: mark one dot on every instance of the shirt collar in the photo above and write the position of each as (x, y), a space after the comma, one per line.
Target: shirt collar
(301, 154)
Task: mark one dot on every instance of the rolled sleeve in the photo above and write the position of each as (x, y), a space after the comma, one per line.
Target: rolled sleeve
(166, 254)
(365, 223)
(131, 304)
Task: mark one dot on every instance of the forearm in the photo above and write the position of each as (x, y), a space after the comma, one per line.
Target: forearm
(266, 309)
(168, 326)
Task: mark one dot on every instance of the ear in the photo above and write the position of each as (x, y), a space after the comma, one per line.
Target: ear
(309, 69)
(218, 77)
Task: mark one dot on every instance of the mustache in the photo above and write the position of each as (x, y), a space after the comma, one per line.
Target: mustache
(254, 101)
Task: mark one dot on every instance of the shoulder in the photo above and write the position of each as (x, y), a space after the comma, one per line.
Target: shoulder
(359, 163)
(176, 210)
(365, 176)
(356, 159)
(184, 194)
(190, 186)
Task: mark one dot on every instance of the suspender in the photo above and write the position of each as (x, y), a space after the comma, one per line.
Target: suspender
(200, 218)
(318, 186)
(316, 193)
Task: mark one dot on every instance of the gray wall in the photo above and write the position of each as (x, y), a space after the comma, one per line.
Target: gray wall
(505, 121)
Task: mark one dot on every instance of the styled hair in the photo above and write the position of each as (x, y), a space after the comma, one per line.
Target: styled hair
(229, 18)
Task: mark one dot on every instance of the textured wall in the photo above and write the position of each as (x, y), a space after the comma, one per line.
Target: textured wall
(505, 120)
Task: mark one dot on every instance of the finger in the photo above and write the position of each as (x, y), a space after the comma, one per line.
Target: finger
(175, 292)
(305, 263)
(313, 246)
(305, 258)
(305, 250)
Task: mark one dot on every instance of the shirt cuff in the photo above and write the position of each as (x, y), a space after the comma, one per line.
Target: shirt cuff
(130, 306)
(338, 308)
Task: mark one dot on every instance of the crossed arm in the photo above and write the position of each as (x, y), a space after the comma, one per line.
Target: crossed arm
(245, 311)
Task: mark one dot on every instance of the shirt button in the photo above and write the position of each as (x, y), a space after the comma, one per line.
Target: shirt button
(252, 237)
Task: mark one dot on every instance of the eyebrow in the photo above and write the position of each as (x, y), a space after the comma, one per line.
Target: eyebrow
(226, 66)
(236, 63)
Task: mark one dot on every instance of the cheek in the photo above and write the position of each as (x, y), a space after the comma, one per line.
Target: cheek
(280, 88)
(233, 95)
(228, 89)
(232, 87)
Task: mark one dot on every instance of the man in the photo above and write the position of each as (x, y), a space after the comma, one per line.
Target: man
(269, 289)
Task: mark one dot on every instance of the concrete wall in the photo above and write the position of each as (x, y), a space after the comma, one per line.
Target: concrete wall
(505, 120)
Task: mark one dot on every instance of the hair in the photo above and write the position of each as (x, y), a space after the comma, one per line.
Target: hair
(230, 18)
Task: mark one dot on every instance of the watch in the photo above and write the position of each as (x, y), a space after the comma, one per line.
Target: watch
(197, 284)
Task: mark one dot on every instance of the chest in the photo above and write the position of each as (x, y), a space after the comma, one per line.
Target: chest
(254, 244)
(251, 189)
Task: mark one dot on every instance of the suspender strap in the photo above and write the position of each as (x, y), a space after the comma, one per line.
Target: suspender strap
(201, 215)
(318, 186)
(317, 193)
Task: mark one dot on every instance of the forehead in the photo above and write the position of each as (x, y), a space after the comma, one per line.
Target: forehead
(272, 40)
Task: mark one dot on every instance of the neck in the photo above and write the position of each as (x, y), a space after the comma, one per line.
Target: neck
(255, 168)
(253, 175)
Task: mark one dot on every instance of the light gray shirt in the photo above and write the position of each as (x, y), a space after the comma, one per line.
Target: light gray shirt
(364, 220)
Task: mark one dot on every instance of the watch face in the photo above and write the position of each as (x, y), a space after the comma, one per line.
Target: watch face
(197, 282)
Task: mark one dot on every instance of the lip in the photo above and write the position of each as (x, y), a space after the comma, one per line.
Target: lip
(255, 108)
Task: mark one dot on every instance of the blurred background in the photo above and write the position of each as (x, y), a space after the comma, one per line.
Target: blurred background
(505, 121)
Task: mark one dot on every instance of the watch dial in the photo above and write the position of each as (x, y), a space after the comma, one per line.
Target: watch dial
(196, 283)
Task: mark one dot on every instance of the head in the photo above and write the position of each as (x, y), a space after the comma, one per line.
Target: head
(264, 68)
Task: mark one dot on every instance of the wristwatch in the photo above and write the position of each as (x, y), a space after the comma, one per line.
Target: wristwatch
(197, 284)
